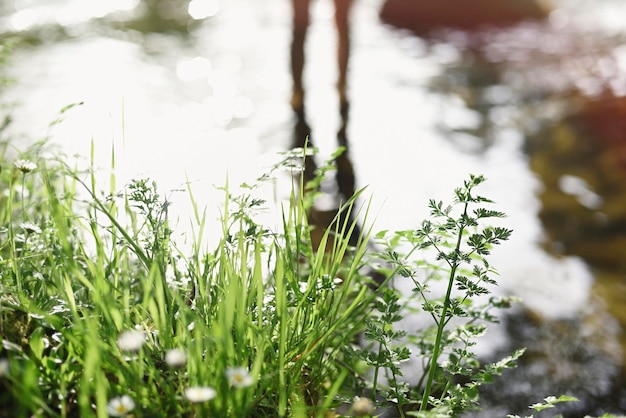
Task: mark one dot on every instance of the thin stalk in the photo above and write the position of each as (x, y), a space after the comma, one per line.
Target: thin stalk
(442, 319)
(376, 371)
(24, 214)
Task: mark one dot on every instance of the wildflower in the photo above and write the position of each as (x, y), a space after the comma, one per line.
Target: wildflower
(198, 394)
(131, 340)
(175, 357)
(25, 166)
(121, 406)
(30, 228)
(363, 406)
(239, 377)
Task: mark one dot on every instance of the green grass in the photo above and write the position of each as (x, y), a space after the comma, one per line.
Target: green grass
(74, 278)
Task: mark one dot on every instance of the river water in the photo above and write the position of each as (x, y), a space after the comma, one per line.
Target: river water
(195, 100)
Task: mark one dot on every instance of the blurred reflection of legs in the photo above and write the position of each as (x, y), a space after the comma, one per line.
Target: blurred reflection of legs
(301, 21)
(342, 15)
(323, 218)
(299, 28)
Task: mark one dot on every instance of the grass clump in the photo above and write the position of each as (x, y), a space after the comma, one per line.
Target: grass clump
(103, 317)
(102, 314)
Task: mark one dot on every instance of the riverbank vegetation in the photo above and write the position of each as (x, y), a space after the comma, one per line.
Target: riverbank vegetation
(103, 315)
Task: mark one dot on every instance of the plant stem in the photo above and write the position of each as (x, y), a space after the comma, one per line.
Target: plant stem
(376, 371)
(24, 214)
(454, 264)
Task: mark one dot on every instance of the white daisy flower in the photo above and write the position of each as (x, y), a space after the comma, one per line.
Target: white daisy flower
(30, 228)
(239, 377)
(121, 406)
(131, 340)
(197, 394)
(25, 166)
(176, 358)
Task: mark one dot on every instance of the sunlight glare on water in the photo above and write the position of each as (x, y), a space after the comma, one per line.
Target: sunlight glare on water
(202, 9)
(190, 69)
(28, 14)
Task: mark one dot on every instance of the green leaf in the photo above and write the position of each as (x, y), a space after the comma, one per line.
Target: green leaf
(36, 342)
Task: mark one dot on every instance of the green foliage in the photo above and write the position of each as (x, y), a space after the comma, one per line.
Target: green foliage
(101, 314)
(459, 244)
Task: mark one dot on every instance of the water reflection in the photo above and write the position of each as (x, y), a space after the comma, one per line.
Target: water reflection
(161, 16)
(300, 26)
(430, 16)
(325, 213)
(37, 21)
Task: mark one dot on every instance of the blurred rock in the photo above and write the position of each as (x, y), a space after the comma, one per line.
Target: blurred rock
(423, 16)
